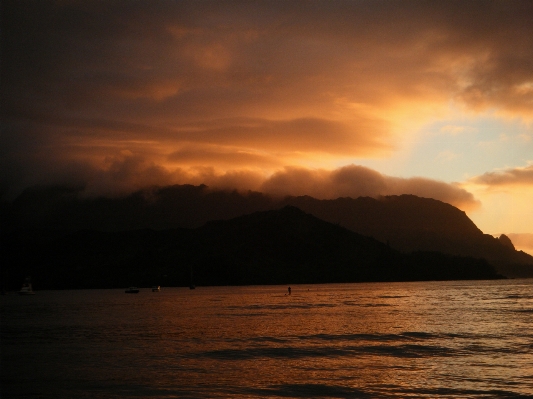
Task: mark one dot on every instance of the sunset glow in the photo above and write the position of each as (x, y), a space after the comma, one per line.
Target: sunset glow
(320, 98)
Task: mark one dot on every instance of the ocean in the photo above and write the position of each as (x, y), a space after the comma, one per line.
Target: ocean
(454, 339)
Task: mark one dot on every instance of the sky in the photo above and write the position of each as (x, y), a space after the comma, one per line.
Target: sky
(322, 98)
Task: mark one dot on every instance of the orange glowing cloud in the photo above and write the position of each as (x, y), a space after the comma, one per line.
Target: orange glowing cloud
(246, 88)
(508, 177)
(302, 134)
(126, 172)
(355, 181)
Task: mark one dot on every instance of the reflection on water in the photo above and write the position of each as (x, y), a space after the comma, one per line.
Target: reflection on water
(437, 339)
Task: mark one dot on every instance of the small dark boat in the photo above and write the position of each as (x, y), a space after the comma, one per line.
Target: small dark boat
(132, 290)
(156, 288)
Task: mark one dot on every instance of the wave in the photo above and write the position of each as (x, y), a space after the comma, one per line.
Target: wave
(296, 352)
(308, 391)
(284, 306)
(339, 391)
(366, 304)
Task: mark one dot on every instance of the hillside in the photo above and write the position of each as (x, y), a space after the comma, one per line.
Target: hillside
(409, 223)
(406, 223)
(285, 246)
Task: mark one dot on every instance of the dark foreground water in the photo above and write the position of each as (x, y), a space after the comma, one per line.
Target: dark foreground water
(432, 340)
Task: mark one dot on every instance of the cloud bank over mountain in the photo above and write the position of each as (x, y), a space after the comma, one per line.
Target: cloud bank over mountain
(358, 181)
(127, 173)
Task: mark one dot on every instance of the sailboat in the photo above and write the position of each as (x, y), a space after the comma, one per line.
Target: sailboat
(26, 288)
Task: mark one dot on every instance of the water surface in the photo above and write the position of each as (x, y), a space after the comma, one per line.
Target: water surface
(382, 340)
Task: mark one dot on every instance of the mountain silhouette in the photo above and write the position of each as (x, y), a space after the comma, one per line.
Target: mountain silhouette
(284, 246)
(406, 223)
(287, 245)
(410, 223)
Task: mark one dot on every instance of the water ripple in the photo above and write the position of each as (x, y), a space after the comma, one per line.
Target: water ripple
(293, 352)
(310, 391)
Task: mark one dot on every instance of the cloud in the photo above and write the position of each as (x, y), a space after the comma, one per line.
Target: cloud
(508, 177)
(243, 57)
(348, 181)
(355, 181)
(226, 156)
(126, 172)
(302, 134)
(244, 85)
